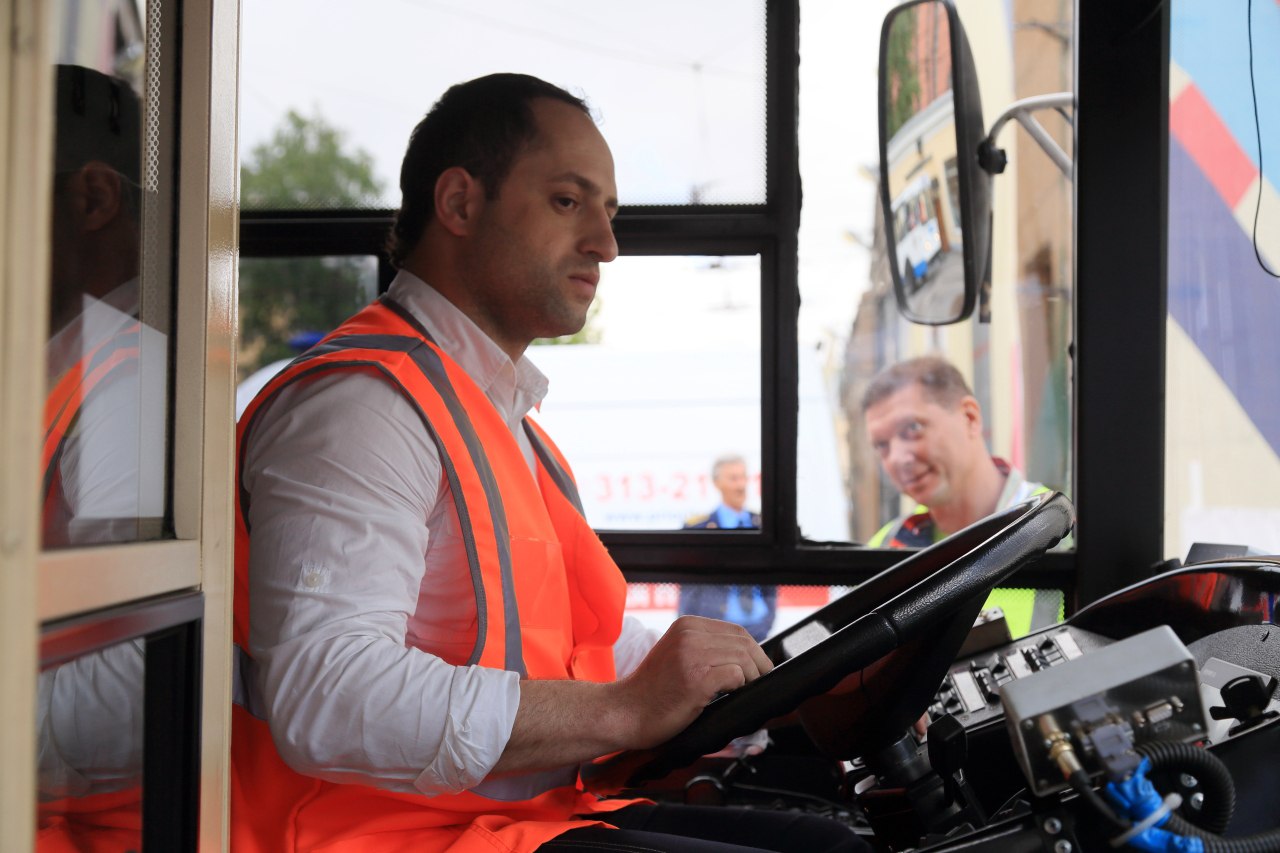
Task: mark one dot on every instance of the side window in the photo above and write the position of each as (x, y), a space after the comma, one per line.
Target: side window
(678, 90)
(665, 379)
(117, 728)
(105, 455)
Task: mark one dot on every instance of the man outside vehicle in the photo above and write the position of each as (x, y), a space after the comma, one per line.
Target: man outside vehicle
(926, 426)
(753, 607)
(431, 637)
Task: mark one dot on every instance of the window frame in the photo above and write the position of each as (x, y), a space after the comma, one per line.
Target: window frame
(43, 588)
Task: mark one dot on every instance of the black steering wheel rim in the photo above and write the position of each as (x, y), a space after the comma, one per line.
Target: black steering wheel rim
(895, 607)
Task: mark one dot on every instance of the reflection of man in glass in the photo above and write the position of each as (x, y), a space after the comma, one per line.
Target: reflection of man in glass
(752, 607)
(95, 488)
(89, 710)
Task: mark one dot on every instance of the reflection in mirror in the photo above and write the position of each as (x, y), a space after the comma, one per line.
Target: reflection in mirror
(104, 455)
(89, 747)
(924, 220)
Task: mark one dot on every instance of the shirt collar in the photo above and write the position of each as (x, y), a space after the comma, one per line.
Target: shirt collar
(514, 387)
(921, 517)
(1013, 483)
(730, 518)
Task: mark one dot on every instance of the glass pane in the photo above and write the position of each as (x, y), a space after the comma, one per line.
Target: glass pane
(1013, 358)
(111, 290)
(678, 89)
(646, 399)
(1222, 440)
(287, 304)
(89, 748)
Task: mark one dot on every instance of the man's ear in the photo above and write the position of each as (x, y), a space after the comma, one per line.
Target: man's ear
(103, 190)
(458, 200)
(972, 414)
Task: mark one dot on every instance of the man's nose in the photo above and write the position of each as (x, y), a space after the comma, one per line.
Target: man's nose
(899, 454)
(599, 241)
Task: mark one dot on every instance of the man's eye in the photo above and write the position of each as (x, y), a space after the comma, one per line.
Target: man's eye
(912, 430)
(567, 202)
(881, 447)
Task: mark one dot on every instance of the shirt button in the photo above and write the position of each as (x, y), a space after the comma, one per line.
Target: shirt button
(312, 580)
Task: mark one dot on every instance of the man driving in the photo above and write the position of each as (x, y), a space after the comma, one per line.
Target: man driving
(431, 638)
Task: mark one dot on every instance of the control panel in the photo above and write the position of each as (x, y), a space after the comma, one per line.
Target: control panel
(971, 690)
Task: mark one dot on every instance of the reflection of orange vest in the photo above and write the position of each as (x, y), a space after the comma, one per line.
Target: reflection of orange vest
(100, 823)
(549, 606)
(62, 408)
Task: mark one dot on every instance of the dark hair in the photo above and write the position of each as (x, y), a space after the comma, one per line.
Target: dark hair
(940, 380)
(97, 118)
(480, 125)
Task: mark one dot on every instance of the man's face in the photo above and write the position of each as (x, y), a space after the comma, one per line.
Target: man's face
(927, 449)
(539, 245)
(731, 480)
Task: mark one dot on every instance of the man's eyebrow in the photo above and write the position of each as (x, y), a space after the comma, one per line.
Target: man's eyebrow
(587, 185)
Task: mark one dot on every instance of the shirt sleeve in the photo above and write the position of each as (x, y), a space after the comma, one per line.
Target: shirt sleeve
(634, 643)
(343, 478)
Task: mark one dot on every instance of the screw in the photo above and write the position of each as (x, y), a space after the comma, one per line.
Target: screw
(1197, 800)
(1188, 781)
(1053, 826)
(1062, 846)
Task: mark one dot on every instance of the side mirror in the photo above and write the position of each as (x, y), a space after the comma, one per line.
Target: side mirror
(936, 200)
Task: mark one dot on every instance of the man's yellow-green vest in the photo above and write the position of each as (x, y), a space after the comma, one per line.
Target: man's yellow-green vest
(1025, 609)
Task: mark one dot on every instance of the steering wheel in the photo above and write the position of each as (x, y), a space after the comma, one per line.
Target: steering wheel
(922, 606)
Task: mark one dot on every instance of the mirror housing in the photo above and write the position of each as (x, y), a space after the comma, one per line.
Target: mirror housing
(930, 135)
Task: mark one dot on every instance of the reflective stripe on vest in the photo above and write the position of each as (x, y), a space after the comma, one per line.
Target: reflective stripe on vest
(559, 475)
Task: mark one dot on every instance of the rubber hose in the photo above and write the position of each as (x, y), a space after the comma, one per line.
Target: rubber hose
(1213, 775)
(1263, 842)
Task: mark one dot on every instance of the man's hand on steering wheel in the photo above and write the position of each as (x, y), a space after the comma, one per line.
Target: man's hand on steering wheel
(695, 661)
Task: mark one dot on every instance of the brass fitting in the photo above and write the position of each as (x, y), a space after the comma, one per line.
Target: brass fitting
(1061, 750)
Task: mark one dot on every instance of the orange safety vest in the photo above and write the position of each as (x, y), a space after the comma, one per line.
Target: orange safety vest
(98, 823)
(549, 606)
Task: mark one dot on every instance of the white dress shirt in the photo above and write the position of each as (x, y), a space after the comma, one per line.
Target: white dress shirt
(357, 562)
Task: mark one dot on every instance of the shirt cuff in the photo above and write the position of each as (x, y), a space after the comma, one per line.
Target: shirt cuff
(482, 712)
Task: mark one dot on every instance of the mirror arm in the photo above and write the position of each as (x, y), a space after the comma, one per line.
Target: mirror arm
(993, 159)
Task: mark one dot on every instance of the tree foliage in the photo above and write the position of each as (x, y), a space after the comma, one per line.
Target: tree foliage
(305, 163)
(904, 78)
